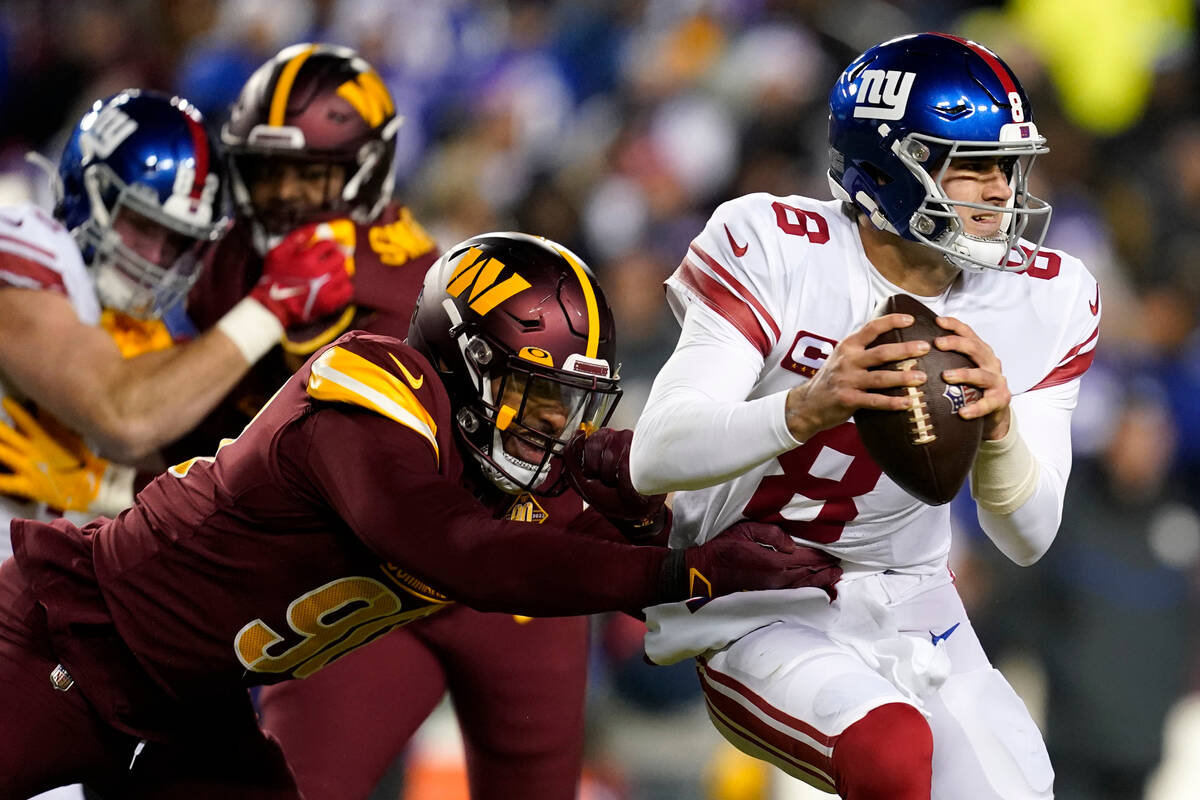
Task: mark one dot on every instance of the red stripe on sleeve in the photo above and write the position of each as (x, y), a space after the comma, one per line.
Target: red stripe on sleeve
(746, 294)
(14, 267)
(1075, 350)
(1072, 366)
(725, 303)
(41, 251)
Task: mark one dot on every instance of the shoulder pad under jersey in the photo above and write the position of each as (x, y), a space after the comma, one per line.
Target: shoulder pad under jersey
(381, 374)
(35, 249)
(740, 264)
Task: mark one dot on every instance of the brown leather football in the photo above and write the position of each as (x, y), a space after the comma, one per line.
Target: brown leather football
(927, 450)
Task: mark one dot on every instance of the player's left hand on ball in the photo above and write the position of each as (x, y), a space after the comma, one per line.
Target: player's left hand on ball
(987, 377)
(598, 468)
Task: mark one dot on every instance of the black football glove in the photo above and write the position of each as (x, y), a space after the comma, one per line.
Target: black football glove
(598, 468)
(747, 555)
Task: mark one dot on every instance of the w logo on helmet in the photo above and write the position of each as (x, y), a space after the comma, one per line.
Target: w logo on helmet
(883, 95)
(482, 274)
(369, 96)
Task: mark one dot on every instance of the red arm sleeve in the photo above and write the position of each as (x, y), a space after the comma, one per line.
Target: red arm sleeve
(381, 478)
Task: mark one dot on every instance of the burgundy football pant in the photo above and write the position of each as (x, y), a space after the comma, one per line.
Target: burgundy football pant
(50, 738)
(518, 691)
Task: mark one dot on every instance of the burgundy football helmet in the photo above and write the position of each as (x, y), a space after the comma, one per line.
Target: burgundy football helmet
(524, 341)
(312, 107)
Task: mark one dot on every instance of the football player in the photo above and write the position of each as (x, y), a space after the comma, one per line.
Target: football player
(887, 692)
(86, 297)
(311, 141)
(341, 512)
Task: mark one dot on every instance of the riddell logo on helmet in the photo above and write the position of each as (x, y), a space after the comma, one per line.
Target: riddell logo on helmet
(883, 95)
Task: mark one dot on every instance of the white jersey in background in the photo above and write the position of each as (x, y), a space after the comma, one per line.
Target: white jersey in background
(36, 252)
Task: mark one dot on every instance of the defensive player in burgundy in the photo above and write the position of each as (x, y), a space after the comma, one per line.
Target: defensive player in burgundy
(294, 139)
(339, 514)
(887, 693)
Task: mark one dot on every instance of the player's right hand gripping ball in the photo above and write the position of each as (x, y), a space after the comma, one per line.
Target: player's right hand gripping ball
(928, 449)
(305, 277)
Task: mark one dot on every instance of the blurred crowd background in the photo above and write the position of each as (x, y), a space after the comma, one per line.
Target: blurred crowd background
(616, 126)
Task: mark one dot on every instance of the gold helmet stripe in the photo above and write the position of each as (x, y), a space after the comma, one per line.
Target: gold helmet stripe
(593, 310)
(283, 87)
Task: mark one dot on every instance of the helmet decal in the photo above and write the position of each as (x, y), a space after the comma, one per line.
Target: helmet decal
(882, 95)
(524, 341)
(104, 134)
(481, 273)
(1011, 93)
(537, 355)
(370, 98)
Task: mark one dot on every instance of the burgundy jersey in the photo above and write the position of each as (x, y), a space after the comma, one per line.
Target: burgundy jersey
(390, 259)
(337, 515)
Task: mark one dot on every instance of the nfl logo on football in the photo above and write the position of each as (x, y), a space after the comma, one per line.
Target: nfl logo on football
(959, 396)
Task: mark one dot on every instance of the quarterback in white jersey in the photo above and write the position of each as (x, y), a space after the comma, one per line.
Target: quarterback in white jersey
(886, 692)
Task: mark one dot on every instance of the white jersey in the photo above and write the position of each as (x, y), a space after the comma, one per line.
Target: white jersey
(790, 276)
(36, 252)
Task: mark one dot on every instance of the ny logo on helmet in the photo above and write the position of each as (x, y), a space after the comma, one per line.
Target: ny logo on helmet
(111, 127)
(482, 274)
(883, 95)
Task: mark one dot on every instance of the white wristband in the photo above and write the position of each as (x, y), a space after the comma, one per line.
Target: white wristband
(252, 328)
(116, 491)
(1005, 473)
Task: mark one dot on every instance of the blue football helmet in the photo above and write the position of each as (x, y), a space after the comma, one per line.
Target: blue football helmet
(898, 115)
(139, 191)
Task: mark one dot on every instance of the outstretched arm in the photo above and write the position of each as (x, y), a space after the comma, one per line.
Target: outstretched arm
(392, 497)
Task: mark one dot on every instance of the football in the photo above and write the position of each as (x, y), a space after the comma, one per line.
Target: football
(928, 449)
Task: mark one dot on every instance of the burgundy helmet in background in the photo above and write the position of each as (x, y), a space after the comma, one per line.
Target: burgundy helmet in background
(312, 106)
(505, 316)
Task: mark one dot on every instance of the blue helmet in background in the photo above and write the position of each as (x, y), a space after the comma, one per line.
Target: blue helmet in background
(139, 191)
(898, 115)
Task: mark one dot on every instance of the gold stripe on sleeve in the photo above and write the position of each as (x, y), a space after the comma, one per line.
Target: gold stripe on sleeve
(341, 376)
